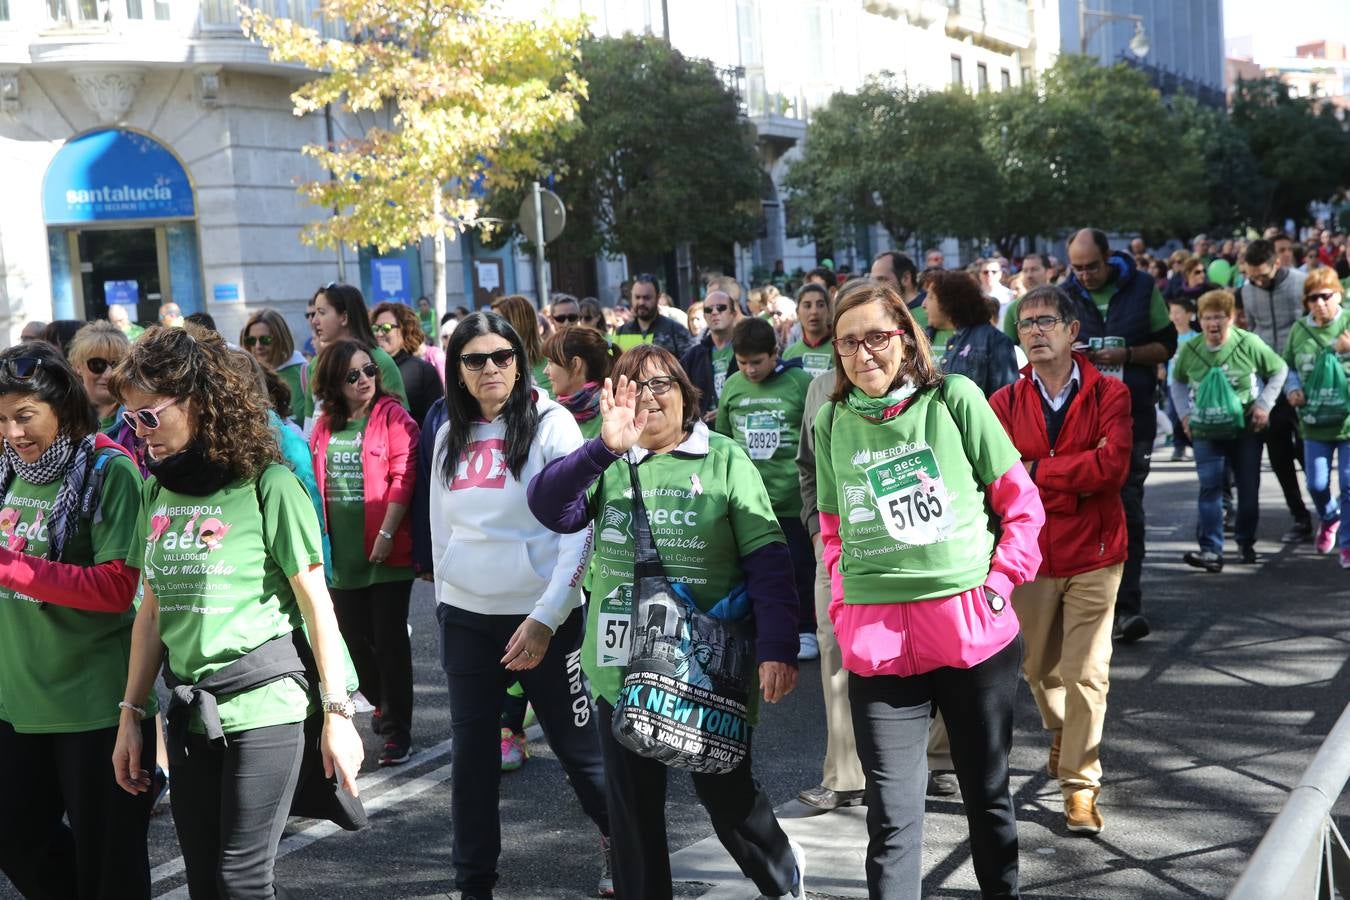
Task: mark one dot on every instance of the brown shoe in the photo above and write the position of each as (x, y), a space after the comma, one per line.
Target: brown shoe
(1053, 767)
(1080, 812)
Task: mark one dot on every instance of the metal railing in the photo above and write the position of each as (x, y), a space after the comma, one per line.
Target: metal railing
(1303, 855)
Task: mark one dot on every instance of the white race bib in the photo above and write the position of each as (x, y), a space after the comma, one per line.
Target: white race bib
(912, 498)
(761, 435)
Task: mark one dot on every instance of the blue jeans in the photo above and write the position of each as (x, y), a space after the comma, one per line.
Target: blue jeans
(1317, 467)
(1243, 455)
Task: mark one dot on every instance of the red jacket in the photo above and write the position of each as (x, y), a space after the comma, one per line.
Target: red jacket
(388, 468)
(1081, 476)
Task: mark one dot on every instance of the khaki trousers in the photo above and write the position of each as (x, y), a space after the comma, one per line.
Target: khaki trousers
(1066, 627)
(842, 770)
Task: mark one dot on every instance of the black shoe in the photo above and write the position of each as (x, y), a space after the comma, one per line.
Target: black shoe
(1203, 559)
(1302, 531)
(1131, 628)
(1247, 554)
(395, 753)
(1229, 521)
(827, 799)
(943, 783)
(475, 895)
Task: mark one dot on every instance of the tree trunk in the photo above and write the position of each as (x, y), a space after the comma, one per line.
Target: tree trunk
(440, 298)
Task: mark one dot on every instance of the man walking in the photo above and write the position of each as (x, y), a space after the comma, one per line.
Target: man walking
(1124, 320)
(1035, 273)
(1268, 305)
(711, 361)
(1073, 429)
(648, 325)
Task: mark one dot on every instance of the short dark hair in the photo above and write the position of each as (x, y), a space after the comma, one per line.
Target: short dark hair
(1259, 252)
(330, 372)
(645, 278)
(824, 274)
(1043, 257)
(901, 265)
(54, 383)
(1280, 236)
(1050, 295)
(203, 319)
(1098, 237)
(634, 361)
(753, 335)
(588, 345)
(61, 332)
(960, 296)
(812, 288)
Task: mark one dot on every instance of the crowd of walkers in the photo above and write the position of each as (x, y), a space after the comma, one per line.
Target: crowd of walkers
(929, 479)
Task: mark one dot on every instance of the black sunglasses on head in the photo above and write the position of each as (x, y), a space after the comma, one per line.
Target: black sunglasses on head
(476, 361)
(370, 370)
(23, 367)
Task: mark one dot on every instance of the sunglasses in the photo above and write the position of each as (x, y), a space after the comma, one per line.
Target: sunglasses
(23, 367)
(97, 365)
(719, 308)
(252, 341)
(500, 358)
(149, 418)
(383, 329)
(370, 370)
(569, 318)
(1322, 296)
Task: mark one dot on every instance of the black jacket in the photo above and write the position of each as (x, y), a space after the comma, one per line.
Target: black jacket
(665, 332)
(697, 364)
(421, 382)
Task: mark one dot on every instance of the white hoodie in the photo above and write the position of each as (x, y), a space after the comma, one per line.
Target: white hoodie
(490, 554)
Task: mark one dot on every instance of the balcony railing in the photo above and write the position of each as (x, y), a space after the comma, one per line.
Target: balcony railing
(219, 15)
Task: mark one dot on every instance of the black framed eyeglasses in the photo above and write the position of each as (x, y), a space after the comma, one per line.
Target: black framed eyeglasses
(370, 370)
(1040, 323)
(23, 367)
(474, 362)
(875, 341)
(146, 418)
(97, 365)
(252, 341)
(568, 319)
(659, 385)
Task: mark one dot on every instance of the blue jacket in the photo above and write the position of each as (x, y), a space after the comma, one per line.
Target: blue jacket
(419, 514)
(983, 354)
(1127, 316)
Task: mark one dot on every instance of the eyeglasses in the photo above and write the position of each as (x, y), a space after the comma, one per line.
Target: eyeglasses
(384, 328)
(1040, 323)
(23, 367)
(1322, 296)
(98, 365)
(721, 307)
(370, 370)
(148, 418)
(659, 385)
(500, 358)
(568, 318)
(873, 341)
(252, 341)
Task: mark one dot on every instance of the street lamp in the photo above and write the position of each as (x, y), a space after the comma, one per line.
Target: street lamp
(1139, 45)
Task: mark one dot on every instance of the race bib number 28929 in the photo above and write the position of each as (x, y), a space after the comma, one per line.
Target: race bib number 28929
(913, 501)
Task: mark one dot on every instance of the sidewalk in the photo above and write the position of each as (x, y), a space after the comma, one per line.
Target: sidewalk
(1212, 719)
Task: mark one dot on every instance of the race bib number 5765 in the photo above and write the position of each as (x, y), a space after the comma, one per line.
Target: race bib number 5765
(913, 501)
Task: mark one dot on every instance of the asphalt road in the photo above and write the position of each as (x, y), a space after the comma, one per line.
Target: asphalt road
(1211, 720)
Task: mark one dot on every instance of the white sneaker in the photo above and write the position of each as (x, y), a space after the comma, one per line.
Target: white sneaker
(798, 891)
(807, 647)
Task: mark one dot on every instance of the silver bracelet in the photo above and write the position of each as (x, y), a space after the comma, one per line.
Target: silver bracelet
(386, 535)
(133, 707)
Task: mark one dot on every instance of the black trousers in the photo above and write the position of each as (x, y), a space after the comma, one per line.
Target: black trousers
(1285, 447)
(803, 571)
(472, 645)
(740, 811)
(101, 854)
(1130, 596)
(890, 722)
(230, 806)
(374, 623)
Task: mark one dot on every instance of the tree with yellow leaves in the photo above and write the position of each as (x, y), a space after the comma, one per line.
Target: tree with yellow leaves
(472, 98)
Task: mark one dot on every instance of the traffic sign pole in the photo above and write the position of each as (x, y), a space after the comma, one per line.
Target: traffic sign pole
(540, 273)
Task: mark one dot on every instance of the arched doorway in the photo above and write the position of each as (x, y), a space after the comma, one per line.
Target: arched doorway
(121, 223)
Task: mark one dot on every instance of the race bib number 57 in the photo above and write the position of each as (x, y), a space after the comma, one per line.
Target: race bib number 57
(913, 501)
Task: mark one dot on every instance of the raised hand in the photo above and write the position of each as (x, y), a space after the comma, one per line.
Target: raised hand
(622, 421)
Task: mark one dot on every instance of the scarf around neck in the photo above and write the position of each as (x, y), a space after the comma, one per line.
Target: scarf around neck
(584, 403)
(189, 472)
(65, 461)
(879, 409)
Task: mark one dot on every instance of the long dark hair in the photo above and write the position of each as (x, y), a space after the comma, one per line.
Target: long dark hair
(53, 382)
(346, 298)
(462, 409)
(330, 373)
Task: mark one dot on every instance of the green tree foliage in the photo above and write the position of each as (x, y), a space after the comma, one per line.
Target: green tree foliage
(1302, 152)
(661, 156)
(912, 161)
(1232, 186)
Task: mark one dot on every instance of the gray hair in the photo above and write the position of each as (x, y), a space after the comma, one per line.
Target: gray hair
(1050, 295)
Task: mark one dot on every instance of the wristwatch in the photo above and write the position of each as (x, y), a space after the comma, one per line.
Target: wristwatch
(996, 603)
(345, 707)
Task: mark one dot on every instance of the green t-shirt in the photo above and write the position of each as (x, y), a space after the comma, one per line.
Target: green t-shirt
(920, 316)
(541, 380)
(291, 375)
(63, 669)
(940, 339)
(591, 427)
(1250, 357)
(219, 566)
(765, 418)
(815, 360)
(1010, 321)
(391, 379)
(1157, 306)
(721, 361)
(106, 423)
(345, 497)
(706, 513)
(1305, 344)
(910, 493)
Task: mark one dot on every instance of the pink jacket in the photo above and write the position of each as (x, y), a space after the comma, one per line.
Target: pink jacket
(388, 468)
(961, 631)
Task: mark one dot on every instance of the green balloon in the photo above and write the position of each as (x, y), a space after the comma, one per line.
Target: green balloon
(1220, 272)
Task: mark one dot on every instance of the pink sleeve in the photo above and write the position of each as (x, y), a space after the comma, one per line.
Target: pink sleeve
(831, 549)
(105, 588)
(1017, 557)
(402, 450)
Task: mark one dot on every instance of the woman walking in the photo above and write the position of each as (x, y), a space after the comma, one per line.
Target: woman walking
(365, 462)
(67, 526)
(229, 553)
(267, 336)
(976, 349)
(705, 492)
(400, 335)
(508, 590)
(578, 362)
(909, 466)
(340, 314)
